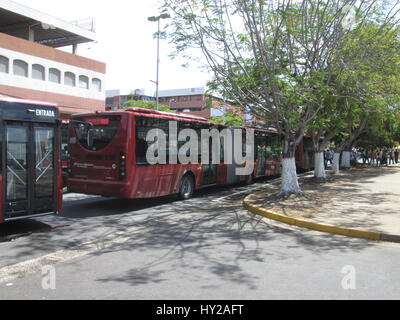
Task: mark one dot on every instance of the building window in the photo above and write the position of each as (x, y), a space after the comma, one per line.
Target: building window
(83, 82)
(183, 99)
(20, 68)
(54, 75)
(38, 72)
(196, 98)
(4, 64)
(96, 84)
(69, 79)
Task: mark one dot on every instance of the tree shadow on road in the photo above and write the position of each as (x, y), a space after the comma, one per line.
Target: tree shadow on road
(200, 244)
(198, 239)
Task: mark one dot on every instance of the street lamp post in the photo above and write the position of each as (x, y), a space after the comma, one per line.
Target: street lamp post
(157, 19)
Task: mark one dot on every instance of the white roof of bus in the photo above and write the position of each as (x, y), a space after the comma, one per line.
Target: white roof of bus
(174, 114)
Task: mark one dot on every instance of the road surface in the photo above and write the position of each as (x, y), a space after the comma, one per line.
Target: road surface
(207, 247)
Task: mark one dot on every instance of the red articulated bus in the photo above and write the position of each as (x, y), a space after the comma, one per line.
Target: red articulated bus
(30, 179)
(114, 163)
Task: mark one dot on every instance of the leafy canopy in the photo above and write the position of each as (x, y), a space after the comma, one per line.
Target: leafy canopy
(146, 105)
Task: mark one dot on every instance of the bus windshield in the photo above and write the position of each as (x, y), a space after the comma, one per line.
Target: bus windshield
(103, 129)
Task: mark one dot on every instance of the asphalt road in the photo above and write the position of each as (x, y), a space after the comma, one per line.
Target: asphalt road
(207, 247)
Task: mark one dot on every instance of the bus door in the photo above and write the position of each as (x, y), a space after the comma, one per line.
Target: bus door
(29, 167)
(209, 172)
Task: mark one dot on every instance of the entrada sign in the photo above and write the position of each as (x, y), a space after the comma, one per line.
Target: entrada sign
(45, 113)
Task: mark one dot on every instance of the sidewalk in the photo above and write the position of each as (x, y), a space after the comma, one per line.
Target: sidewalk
(363, 198)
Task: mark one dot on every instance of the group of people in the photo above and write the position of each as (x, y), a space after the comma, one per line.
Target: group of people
(384, 156)
(379, 157)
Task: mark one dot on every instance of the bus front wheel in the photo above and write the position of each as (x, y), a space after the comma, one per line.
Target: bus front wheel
(187, 187)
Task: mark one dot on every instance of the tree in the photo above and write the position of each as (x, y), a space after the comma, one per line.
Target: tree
(146, 105)
(229, 119)
(368, 89)
(383, 133)
(269, 56)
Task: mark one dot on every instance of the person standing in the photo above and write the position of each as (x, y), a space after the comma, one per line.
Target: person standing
(328, 157)
(373, 157)
(384, 157)
(325, 158)
(396, 155)
(391, 156)
(379, 157)
(363, 157)
(331, 154)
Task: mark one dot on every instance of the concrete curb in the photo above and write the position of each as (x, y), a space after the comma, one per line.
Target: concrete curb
(319, 227)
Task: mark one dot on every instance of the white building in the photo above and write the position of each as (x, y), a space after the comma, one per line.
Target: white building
(32, 67)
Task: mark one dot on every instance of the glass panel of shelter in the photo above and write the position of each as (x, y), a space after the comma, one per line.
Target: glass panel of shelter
(16, 162)
(44, 162)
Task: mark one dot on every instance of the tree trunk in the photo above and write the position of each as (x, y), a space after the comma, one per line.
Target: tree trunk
(345, 159)
(319, 166)
(335, 164)
(290, 182)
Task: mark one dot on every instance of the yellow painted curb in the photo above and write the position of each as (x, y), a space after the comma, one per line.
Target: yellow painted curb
(310, 225)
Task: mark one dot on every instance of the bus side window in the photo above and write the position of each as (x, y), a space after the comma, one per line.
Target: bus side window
(163, 124)
(141, 143)
(141, 150)
(143, 126)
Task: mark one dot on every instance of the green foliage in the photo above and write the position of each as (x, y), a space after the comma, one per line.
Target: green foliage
(364, 88)
(146, 105)
(296, 64)
(230, 119)
(383, 132)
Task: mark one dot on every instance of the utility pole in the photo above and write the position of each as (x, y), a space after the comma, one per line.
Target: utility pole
(157, 19)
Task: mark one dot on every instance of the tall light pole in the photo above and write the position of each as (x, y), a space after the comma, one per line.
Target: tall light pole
(154, 19)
